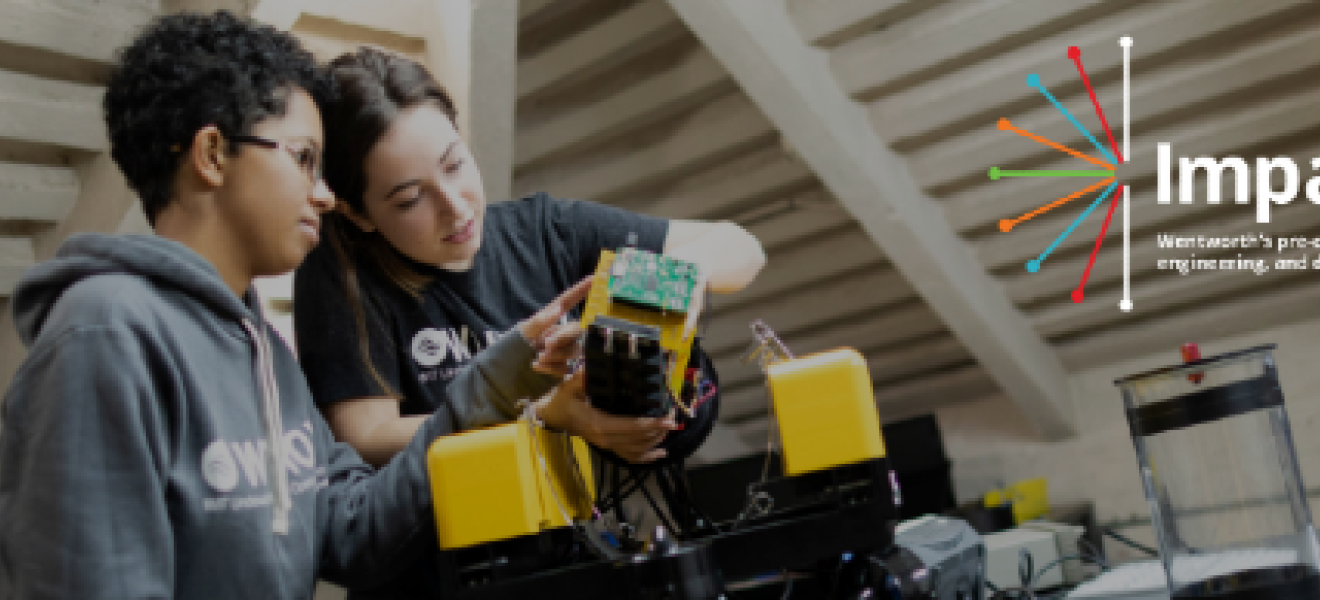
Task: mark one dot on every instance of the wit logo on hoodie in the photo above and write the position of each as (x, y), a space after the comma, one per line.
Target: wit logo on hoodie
(218, 467)
(226, 464)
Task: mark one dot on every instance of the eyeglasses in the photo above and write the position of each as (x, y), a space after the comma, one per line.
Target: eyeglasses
(307, 158)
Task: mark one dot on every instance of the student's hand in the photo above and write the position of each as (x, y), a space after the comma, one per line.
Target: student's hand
(536, 327)
(632, 438)
(561, 345)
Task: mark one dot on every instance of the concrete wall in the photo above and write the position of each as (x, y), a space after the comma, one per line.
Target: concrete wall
(991, 443)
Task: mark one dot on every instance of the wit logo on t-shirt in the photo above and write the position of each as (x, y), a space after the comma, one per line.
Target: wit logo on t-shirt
(432, 347)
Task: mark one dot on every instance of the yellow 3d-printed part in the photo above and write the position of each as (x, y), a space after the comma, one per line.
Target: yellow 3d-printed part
(563, 491)
(670, 324)
(488, 484)
(483, 486)
(825, 409)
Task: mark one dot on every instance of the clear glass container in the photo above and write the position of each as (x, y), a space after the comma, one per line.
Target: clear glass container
(1220, 474)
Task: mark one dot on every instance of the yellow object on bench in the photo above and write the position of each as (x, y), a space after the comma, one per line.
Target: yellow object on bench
(825, 408)
(489, 485)
(1030, 499)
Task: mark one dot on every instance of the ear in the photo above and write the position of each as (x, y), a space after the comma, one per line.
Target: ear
(357, 218)
(207, 157)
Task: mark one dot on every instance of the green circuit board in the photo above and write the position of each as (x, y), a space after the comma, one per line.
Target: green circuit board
(652, 281)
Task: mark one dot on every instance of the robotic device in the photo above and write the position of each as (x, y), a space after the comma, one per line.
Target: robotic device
(636, 348)
(521, 512)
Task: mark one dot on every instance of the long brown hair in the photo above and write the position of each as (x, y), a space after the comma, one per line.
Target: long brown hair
(372, 87)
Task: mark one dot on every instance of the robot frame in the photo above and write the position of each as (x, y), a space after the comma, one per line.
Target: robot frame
(532, 527)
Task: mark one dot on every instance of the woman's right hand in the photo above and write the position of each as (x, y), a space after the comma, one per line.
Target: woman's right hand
(559, 349)
(634, 439)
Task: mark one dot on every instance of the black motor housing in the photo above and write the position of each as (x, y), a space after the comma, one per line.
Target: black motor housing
(626, 376)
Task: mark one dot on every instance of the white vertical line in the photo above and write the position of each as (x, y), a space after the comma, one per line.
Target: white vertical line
(1126, 43)
(1126, 303)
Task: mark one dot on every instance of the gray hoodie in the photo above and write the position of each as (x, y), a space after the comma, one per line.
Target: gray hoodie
(160, 442)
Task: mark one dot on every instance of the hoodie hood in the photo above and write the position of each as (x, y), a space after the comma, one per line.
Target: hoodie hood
(163, 261)
(168, 264)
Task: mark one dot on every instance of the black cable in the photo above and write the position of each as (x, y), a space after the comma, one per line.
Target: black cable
(621, 483)
(616, 503)
(1026, 568)
(678, 509)
(1059, 561)
(605, 502)
(681, 500)
(687, 492)
(1095, 553)
(788, 584)
(629, 485)
(660, 514)
(614, 498)
(1130, 542)
(602, 486)
(1028, 576)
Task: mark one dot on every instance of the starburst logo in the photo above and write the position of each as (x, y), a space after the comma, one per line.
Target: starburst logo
(1109, 158)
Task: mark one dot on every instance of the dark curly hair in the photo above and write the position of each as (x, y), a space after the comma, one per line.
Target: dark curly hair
(187, 71)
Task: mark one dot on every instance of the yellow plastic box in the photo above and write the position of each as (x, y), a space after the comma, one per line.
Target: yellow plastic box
(825, 408)
(489, 485)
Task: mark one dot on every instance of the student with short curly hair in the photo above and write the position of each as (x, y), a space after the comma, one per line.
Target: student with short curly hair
(159, 441)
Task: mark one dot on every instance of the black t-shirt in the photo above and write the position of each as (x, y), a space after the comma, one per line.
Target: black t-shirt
(531, 251)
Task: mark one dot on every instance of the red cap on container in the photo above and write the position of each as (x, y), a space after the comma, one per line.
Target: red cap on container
(1191, 352)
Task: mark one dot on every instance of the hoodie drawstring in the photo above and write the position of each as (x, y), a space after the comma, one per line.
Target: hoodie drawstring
(278, 463)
